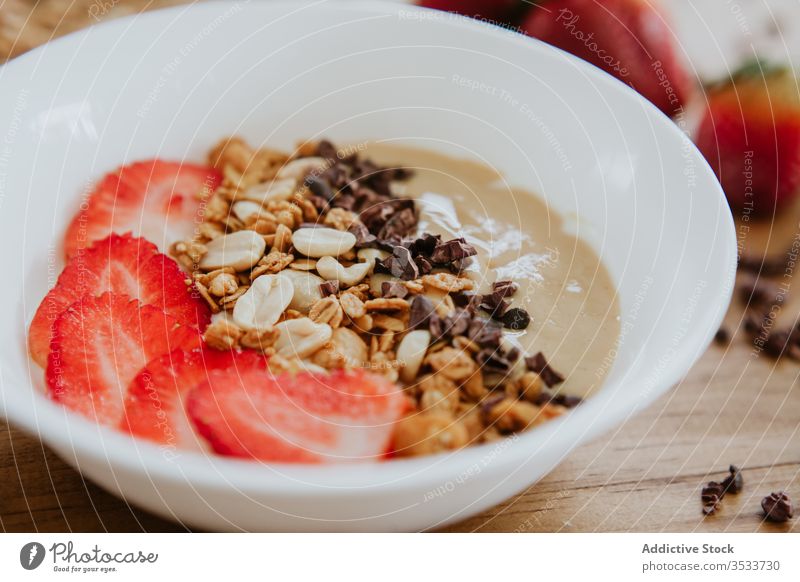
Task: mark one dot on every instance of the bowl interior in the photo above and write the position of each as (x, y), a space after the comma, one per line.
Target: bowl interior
(170, 84)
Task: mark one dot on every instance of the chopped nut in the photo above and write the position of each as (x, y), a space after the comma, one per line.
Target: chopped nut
(411, 353)
(203, 291)
(299, 168)
(425, 434)
(262, 305)
(322, 242)
(283, 238)
(352, 305)
(512, 415)
(260, 339)
(364, 323)
(223, 284)
(473, 388)
(332, 270)
(229, 301)
(381, 321)
(303, 265)
(272, 263)
(239, 250)
(306, 289)
(223, 335)
(345, 350)
(339, 218)
(452, 363)
(302, 337)
(280, 189)
(386, 304)
(327, 310)
(438, 393)
(447, 282)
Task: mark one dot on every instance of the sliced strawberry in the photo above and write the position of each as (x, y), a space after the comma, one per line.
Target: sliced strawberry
(125, 265)
(155, 404)
(301, 418)
(158, 200)
(100, 344)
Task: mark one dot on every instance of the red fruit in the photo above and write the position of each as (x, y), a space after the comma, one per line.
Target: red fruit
(157, 200)
(155, 407)
(301, 418)
(629, 39)
(125, 265)
(500, 11)
(100, 344)
(750, 135)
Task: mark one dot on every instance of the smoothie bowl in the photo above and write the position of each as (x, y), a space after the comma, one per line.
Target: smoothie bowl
(349, 266)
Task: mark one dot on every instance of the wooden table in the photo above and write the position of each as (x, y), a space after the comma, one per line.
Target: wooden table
(645, 476)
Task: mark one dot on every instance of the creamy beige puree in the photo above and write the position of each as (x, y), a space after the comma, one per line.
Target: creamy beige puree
(563, 284)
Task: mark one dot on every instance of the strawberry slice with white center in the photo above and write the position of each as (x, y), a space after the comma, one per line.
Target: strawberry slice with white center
(155, 403)
(347, 415)
(100, 344)
(161, 201)
(124, 265)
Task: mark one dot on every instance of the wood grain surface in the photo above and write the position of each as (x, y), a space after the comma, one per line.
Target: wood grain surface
(646, 475)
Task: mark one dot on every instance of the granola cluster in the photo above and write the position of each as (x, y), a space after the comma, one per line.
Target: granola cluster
(315, 260)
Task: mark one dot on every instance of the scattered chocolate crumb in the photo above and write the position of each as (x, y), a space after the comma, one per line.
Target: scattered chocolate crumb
(722, 337)
(734, 482)
(538, 364)
(516, 318)
(329, 288)
(711, 496)
(420, 312)
(393, 289)
(777, 507)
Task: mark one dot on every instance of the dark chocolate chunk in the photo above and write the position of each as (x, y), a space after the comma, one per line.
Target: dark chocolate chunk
(393, 289)
(327, 150)
(777, 507)
(420, 312)
(485, 333)
(399, 264)
(319, 187)
(363, 237)
(516, 318)
(494, 360)
(505, 288)
(711, 496)
(425, 244)
(538, 363)
(452, 250)
(734, 482)
(494, 305)
(399, 224)
(424, 265)
(329, 288)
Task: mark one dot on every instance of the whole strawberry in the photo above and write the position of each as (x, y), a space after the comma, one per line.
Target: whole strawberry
(750, 134)
(501, 11)
(629, 39)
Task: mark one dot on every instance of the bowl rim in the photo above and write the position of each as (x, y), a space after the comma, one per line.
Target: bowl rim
(51, 422)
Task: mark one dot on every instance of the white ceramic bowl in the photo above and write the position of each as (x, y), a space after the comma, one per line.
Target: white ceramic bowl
(171, 83)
